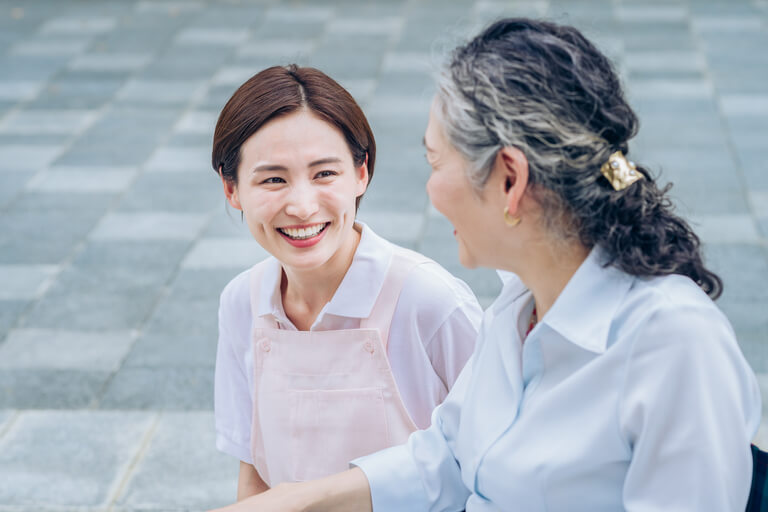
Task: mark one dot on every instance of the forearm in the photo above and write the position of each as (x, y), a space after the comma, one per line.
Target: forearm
(342, 492)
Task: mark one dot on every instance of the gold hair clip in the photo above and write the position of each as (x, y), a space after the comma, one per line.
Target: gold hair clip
(620, 171)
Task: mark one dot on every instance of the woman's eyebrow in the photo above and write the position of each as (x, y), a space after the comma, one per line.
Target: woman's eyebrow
(323, 161)
(270, 167)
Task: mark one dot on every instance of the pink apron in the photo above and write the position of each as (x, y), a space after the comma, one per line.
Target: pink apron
(323, 398)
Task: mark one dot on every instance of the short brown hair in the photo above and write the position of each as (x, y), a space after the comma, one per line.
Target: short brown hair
(281, 90)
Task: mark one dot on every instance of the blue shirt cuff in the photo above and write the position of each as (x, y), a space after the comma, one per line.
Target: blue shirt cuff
(394, 480)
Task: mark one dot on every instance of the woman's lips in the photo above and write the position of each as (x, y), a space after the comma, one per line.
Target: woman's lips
(303, 242)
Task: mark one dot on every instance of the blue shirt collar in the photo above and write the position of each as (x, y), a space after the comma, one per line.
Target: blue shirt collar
(584, 311)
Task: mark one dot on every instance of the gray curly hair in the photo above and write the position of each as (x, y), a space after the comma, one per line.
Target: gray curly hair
(546, 90)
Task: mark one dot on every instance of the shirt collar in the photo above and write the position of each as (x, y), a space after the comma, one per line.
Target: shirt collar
(584, 311)
(358, 291)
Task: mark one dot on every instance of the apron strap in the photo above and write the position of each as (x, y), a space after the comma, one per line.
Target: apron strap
(256, 274)
(402, 263)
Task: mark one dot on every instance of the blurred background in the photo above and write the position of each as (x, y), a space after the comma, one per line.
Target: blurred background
(115, 241)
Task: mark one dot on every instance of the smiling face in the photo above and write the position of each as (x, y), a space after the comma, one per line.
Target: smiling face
(452, 194)
(297, 185)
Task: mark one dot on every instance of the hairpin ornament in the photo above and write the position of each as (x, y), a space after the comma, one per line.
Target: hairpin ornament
(619, 171)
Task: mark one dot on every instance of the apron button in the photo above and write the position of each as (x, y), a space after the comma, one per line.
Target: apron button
(369, 346)
(266, 346)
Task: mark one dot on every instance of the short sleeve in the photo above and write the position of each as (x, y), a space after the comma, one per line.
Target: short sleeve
(690, 407)
(233, 403)
(453, 342)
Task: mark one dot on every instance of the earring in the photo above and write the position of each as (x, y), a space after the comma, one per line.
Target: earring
(511, 221)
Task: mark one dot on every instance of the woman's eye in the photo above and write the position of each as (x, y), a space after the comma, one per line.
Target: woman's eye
(325, 174)
(273, 179)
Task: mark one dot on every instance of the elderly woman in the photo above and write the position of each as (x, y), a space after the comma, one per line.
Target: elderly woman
(604, 376)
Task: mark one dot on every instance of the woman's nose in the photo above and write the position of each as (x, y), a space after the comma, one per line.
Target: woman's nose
(302, 202)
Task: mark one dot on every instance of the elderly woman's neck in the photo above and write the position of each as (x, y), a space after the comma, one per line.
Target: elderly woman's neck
(547, 268)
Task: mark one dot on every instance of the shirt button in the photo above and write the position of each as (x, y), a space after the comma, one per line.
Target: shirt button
(369, 346)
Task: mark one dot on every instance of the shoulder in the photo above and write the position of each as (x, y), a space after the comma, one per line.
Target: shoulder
(236, 296)
(672, 316)
(429, 285)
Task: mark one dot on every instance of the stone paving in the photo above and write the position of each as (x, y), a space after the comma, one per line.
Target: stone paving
(115, 241)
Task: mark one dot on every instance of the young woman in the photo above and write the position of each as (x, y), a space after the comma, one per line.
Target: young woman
(340, 343)
(604, 377)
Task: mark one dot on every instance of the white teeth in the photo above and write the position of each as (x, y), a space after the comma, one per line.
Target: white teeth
(303, 233)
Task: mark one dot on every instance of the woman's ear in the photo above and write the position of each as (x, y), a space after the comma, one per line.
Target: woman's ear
(230, 190)
(362, 178)
(511, 166)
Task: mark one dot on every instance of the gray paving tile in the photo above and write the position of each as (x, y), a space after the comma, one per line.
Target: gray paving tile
(744, 270)
(200, 122)
(47, 121)
(182, 316)
(747, 105)
(228, 253)
(10, 185)
(277, 49)
(50, 46)
(110, 62)
(95, 311)
(64, 350)
(62, 233)
(10, 310)
(118, 267)
(191, 192)
(68, 458)
(654, 13)
(19, 68)
(48, 389)
(160, 91)
(163, 350)
(395, 226)
(211, 37)
(226, 223)
(25, 282)
(82, 180)
(6, 416)
(178, 63)
(181, 159)
(157, 225)
(204, 284)
(78, 25)
(19, 90)
(185, 442)
(751, 328)
(727, 24)
(123, 136)
(27, 157)
(161, 388)
(299, 14)
(72, 203)
(77, 90)
(754, 167)
(170, 8)
(408, 83)
(726, 228)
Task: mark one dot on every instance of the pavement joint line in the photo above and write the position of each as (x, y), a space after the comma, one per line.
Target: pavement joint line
(9, 424)
(123, 482)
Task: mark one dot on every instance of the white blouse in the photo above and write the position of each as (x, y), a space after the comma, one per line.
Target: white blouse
(431, 337)
(630, 394)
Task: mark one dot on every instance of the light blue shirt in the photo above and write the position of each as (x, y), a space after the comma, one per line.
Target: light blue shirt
(630, 394)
